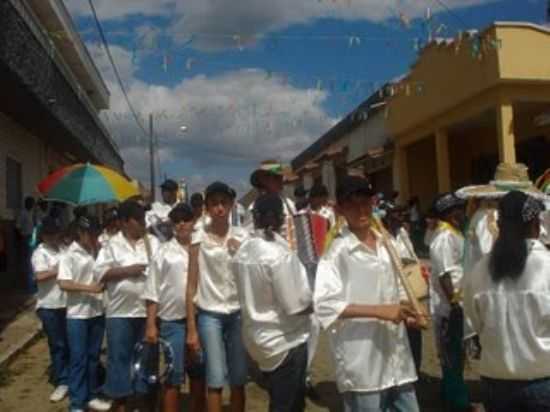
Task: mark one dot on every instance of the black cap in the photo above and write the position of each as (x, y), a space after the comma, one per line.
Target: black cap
(446, 203)
(350, 185)
(181, 212)
(169, 185)
(300, 192)
(50, 226)
(131, 209)
(220, 187)
(88, 223)
(268, 203)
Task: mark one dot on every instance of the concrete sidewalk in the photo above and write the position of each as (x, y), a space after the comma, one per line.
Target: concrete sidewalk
(19, 325)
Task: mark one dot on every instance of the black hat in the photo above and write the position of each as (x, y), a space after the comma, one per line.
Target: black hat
(181, 212)
(110, 215)
(268, 203)
(266, 168)
(300, 192)
(446, 203)
(318, 190)
(220, 187)
(350, 185)
(131, 209)
(169, 185)
(50, 226)
(88, 223)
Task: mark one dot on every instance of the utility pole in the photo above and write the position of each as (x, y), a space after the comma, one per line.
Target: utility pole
(152, 157)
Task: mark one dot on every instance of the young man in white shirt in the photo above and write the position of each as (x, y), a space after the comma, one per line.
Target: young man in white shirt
(157, 218)
(85, 320)
(275, 302)
(51, 304)
(121, 265)
(446, 253)
(318, 203)
(357, 298)
(165, 301)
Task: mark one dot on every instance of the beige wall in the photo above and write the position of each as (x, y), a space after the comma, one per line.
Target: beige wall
(422, 171)
(26, 149)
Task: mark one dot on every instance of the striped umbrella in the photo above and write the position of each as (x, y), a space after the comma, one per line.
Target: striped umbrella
(85, 184)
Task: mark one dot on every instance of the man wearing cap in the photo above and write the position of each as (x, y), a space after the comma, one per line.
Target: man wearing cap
(158, 215)
(268, 178)
(357, 298)
(446, 251)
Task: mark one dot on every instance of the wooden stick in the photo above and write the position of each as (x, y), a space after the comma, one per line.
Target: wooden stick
(422, 321)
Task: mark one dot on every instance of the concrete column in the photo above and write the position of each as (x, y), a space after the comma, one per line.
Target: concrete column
(442, 158)
(401, 174)
(505, 133)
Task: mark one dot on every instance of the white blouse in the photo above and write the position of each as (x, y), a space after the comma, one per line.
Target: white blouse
(217, 291)
(479, 237)
(124, 296)
(273, 289)
(49, 295)
(78, 265)
(159, 213)
(167, 281)
(446, 252)
(512, 318)
(369, 354)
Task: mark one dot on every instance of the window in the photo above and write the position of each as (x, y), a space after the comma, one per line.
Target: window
(14, 184)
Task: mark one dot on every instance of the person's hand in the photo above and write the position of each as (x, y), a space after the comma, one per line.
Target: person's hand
(136, 270)
(193, 344)
(396, 313)
(233, 246)
(426, 272)
(151, 333)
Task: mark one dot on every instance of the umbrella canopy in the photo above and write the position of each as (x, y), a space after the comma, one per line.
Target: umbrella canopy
(85, 184)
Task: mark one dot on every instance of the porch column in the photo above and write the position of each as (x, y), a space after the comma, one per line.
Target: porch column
(401, 173)
(505, 133)
(442, 159)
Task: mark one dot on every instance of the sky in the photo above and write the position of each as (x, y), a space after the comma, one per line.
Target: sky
(256, 79)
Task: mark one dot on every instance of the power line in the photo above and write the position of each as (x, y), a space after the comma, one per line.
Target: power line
(117, 74)
(459, 19)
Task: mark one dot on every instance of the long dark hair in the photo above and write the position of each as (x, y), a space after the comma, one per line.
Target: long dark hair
(268, 214)
(509, 254)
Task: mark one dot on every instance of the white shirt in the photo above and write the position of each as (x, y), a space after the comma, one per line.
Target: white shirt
(512, 318)
(446, 251)
(78, 265)
(124, 296)
(273, 289)
(479, 237)
(370, 355)
(159, 213)
(105, 237)
(403, 245)
(167, 281)
(217, 291)
(49, 295)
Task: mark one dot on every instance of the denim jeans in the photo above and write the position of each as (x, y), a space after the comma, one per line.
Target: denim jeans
(287, 383)
(122, 336)
(225, 356)
(517, 396)
(395, 399)
(85, 338)
(54, 323)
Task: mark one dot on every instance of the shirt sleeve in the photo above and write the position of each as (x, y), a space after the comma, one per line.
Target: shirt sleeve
(470, 309)
(329, 295)
(484, 236)
(39, 261)
(443, 255)
(65, 268)
(105, 261)
(290, 284)
(151, 289)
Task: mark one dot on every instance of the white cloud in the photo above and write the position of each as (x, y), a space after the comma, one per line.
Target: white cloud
(219, 20)
(234, 120)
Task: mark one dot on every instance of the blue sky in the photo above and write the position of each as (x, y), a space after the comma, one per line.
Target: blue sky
(256, 79)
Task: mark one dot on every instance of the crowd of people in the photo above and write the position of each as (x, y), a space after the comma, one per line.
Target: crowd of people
(224, 290)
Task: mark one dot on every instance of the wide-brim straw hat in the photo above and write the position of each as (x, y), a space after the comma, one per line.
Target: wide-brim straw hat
(508, 177)
(267, 167)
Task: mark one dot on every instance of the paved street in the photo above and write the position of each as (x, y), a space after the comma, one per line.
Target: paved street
(24, 387)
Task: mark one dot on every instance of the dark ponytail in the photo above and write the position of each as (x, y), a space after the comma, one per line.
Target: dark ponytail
(268, 215)
(517, 214)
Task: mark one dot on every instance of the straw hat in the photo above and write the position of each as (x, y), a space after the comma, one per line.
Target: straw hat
(508, 176)
(267, 167)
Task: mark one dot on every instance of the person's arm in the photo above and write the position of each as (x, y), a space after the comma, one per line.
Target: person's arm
(151, 329)
(392, 313)
(193, 342)
(42, 271)
(446, 283)
(45, 275)
(124, 272)
(72, 286)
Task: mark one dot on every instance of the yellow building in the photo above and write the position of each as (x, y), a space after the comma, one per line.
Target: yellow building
(469, 103)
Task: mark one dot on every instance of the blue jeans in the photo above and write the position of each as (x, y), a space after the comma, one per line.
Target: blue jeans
(395, 399)
(225, 355)
(54, 323)
(287, 383)
(85, 338)
(174, 332)
(122, 336)
(514, 396)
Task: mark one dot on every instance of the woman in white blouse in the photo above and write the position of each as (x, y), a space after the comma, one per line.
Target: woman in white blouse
(212, 292)
(507, 297)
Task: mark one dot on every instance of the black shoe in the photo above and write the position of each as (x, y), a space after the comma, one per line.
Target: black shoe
(311, 392)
